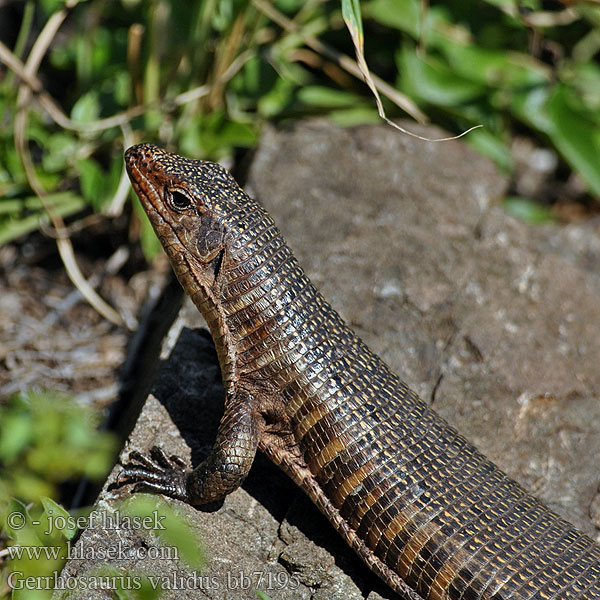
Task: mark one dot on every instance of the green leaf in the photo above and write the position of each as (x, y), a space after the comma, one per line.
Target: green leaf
(87, 108)
(212, 136)
(491, 145)
(92, 181)
(576, 136)
(503, 3)
(399, 14)
(53, 510)
(584, 80)
(15, 435)
(349, 117)
(27, 594)
(51, 6)
(30, 486)
(8, 207)
(122, 88)
(530, 107)
(256, 79)
(353, 18)
(434, 82)
(325, 97)
(496, 68)
(113, 177)
(527, 210)
(148, 591)
(173, 527)
(52, 451)
(18, 517)
(65, 203)
(151, 247)
(277, 100)
(99, 49)
(59, 151)
(223, 16)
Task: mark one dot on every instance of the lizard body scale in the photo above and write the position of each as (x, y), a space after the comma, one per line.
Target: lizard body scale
(422, 507)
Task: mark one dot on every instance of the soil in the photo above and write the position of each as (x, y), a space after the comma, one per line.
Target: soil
(50, 337)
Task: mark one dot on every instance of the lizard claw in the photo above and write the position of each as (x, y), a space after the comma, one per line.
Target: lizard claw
(158, 473)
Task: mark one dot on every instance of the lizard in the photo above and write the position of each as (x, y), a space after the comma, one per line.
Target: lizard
(423, 508)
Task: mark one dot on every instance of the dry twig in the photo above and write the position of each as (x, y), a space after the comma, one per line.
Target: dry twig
(24, 97)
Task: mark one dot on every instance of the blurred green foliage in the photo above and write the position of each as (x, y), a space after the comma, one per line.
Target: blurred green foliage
(46, 439)
(209, 73)
(480, 64)
(175, 534)
(527, 210)
(174, 531)
(44, 548)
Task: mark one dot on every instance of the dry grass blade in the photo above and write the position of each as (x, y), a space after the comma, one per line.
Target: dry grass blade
(115, 207)
(353, 20)
(63, 243)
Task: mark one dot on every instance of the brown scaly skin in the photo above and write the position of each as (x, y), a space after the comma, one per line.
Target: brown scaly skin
(421, 506)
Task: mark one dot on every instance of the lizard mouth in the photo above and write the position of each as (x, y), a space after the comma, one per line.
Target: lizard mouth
(143, 190)
(137, 162)
(132, 159)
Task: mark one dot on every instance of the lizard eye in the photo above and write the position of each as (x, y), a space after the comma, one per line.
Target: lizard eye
(178, 200)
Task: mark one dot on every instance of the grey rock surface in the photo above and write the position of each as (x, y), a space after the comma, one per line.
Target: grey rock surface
(493, 321)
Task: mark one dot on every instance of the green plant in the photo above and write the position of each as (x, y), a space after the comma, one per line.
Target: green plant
(508, 65)
(46, 440)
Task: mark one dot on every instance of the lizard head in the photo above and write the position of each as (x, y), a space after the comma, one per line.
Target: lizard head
(187, 202)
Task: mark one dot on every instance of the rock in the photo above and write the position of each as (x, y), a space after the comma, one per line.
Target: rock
(488, 318)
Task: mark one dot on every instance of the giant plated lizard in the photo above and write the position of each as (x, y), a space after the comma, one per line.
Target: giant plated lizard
(420, 505)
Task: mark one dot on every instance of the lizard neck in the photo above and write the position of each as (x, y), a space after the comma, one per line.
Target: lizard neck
(277, 319)
(212, 310)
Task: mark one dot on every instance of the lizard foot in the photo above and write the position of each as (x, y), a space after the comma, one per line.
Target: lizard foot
(158, 473)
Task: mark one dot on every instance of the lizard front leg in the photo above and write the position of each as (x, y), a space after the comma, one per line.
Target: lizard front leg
(219, 474)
